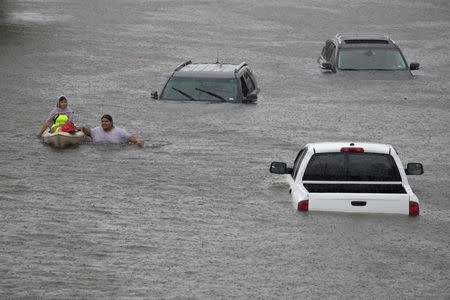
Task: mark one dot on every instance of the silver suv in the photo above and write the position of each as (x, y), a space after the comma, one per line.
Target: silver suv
(365, 56)
(210, 82)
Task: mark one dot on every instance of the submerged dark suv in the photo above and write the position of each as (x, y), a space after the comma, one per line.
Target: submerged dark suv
(365, 56)
(210, 82)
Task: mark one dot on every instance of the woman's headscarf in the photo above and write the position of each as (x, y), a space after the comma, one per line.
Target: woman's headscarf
(57, 110)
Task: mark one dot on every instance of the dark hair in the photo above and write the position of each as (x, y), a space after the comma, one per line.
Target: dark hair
(62, 98)
(106, 117)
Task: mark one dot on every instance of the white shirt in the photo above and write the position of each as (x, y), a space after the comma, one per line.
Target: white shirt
(116, 136)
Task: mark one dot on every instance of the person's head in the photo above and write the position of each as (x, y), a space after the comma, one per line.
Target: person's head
(107, 122)
(62, 102)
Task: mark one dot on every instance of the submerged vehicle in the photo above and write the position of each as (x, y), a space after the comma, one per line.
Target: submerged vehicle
(62, 139)
(365, 56)
(350, 177)
(217, 82)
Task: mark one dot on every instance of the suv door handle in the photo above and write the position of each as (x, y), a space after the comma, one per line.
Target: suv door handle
(359, 203)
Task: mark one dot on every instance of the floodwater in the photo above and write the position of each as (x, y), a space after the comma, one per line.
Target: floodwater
(195, 214)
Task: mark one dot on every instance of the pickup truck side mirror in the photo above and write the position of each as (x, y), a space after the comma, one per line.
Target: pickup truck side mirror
(414, 66)
(280, 168)
(414, 169)
(154, 95)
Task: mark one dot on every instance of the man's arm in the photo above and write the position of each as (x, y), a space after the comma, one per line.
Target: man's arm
(86, 130)
(135, 140)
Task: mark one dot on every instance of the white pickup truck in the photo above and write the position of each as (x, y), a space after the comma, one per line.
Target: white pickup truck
(351, 177)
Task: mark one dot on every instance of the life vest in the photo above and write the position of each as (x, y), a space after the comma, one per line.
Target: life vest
(59, 119)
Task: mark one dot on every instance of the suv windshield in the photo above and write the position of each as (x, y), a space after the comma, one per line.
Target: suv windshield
(352, 166)
(370, 59)
(205, 89)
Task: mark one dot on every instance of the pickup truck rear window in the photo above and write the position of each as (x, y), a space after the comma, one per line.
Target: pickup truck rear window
(351, 166)
(355, 188)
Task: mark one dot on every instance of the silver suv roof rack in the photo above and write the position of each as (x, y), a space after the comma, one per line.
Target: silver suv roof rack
(342, 36)
(242, 64)
(183, 65)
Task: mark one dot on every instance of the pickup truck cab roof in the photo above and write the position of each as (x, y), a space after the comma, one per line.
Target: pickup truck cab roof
(336, 147)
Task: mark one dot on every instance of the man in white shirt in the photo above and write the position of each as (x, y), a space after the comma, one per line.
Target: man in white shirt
(107, 133)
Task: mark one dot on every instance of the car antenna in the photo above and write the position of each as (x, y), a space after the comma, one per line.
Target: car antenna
(217, 60)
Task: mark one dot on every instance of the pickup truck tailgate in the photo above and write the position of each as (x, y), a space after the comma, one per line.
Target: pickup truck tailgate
(360, 202)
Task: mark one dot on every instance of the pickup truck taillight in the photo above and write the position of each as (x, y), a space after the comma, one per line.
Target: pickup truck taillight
(303, 205)
(413, 208)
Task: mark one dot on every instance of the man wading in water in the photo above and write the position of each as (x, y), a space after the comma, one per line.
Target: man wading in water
(108, 134)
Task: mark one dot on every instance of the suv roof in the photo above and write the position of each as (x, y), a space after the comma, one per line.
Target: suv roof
(352, 39)
(216, 70)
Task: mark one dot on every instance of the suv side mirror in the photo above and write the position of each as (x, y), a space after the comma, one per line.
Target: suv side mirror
(251, 97)
(154, 95)
(279, 168)
(414, 66)
(414, 169)
(326, 66)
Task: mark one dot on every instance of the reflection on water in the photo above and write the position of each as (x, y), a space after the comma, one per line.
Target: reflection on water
(32, 17)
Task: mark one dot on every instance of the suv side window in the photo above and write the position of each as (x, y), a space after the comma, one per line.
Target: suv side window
(298, 162)
(247, 84)
(244, 87)
(249, 81)
(329, 51)
(332, 58)
(324, 49)
(252, 78)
